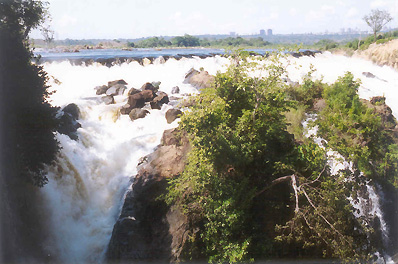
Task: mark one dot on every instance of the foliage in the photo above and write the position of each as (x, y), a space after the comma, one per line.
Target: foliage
(185, 41)
(356, 131)
(326, 44)
(364, 44)
(377, 19)
(27, 118)
(246, 175)
(151, 43)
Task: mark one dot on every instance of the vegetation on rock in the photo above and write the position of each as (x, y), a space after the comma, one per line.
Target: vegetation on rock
(251, 190)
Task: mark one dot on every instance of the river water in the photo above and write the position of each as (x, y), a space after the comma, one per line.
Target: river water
(86, 186)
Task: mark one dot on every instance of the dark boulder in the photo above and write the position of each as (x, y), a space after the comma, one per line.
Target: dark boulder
(133, 91)
(68, 124)
(159, 100)
(137, 113)
(126, 109)
(148, 229)
(138, 100)
(149, 86)
(112, 83)
(101, 89)
(172, 114)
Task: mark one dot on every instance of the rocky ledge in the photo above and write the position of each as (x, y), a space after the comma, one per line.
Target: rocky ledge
(148, 229)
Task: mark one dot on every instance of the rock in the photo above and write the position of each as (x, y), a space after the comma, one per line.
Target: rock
(377, 99)
(101, 89)
(108, 99)
(159, 60)
(137, 113)
(68, 124)
(117, 89)
(149, 86)
(159, 100)
(172, 114)
(133, 91)
(112, 83)
(198, 79)
(148, 229)
(368, 74)
(175, 90)
(73, 110)
(146, 62)
(126, 109)
(138, 100)
(156, 85)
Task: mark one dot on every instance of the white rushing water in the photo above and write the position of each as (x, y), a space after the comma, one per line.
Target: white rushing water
(85, 191)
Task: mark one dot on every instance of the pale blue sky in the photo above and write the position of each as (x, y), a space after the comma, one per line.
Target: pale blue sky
(79, 19)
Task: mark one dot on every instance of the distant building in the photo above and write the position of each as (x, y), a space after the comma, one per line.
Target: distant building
(262, 32)
(269, 32)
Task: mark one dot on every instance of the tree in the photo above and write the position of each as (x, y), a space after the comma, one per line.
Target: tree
(28, 120)
(377, 19)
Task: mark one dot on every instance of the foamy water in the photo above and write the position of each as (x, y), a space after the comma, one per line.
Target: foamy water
(86, 187)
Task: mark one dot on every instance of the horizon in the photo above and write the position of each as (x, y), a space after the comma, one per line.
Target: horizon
(120, 19)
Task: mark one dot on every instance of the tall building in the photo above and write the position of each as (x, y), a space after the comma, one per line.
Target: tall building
(262, 32)
(269, 32)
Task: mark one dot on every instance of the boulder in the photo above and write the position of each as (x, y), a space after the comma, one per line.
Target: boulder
(148, 229)
(112, 83)
(108, 99)
(101, 89)
(137, 113)
(156, 84)
(73, 110)
(175, 90)
(68, 124)
(133, 91)
(159, 60)
(172, 114)
(146, 62)
(149, 86)
(138, 100)
(117, 89)
(126, 109)
(159, 100)
(198, 79)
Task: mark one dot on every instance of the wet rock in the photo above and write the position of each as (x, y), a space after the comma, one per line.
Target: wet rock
(172, 114)
(117, 89)
(159, 100)
(112, 83)
(198, 79)
(68, 124)
(156, 84)
(146, 62)
(108, 99)
(148, 229)
(149, 86)
(101, 89)
(126, 109)
(137, 113)
(133, 91)
(175, 90)
(159, 60)
(377, 100)
(138, 100)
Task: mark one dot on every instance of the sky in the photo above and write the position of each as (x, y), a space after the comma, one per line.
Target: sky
(112, 19)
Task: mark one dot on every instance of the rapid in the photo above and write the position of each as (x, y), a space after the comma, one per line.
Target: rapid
(91, 175)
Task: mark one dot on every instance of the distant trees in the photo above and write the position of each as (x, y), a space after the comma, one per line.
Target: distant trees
(377, 19)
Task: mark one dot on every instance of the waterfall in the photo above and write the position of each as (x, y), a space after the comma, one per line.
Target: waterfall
(91, 175)
(87, 184)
